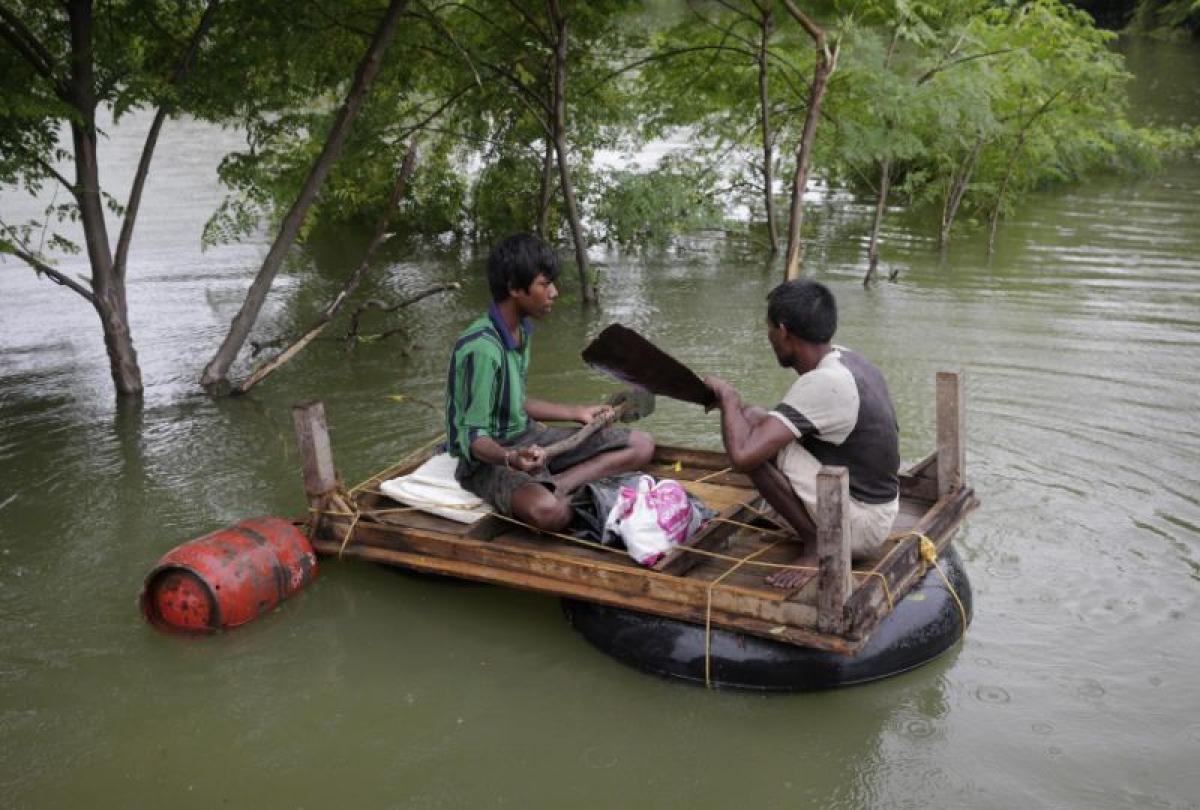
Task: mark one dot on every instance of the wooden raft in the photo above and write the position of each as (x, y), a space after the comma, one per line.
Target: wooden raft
(835, 610)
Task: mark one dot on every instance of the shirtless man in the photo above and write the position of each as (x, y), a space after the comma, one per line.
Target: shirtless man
(493, 429)
(838, 412)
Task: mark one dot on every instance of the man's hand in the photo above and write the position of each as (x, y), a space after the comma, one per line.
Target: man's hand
(529, 459)
(726, 393)
(585, 414)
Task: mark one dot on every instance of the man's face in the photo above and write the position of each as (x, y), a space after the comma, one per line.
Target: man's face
(777, 335)
(538, 300)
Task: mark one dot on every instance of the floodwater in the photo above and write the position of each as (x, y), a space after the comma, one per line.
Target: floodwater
(1075, 687)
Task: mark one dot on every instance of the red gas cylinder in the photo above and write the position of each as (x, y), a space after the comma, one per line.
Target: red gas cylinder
(228, 577)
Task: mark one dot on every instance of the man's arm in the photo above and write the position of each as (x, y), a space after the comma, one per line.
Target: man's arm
(751, 436)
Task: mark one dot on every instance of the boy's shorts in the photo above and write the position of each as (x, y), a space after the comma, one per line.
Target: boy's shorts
(496, 483)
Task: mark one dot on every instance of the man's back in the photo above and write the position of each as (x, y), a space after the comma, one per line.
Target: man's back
(842, 413)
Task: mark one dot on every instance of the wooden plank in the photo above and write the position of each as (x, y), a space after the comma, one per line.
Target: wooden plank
(488, 527)
(714, 537)
(520, 553)
(719, 498)
(833, 548)
(951, 432)
(902, 567)
(316, 456)
(693, 612)
(706, 475)
(920, 480)
(687, 457)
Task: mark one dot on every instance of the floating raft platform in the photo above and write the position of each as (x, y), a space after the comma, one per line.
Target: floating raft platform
(717, 581)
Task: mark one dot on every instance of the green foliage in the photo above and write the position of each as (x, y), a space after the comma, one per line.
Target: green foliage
(1167, 18)
(652, 208)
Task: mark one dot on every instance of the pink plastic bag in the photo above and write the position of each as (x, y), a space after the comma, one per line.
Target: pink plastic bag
(652, 518)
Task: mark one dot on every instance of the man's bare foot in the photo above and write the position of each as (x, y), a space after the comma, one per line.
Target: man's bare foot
(791, 578)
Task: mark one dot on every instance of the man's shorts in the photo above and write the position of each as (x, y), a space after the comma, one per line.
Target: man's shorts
(870, 523)
(496, 483)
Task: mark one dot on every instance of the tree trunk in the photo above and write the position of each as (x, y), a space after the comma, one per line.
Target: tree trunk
(885, 180)
(994, 220)
(826, 63)
(108, 287)
(348, 289)
(764, 103)
(214, 375)
(956, 192)
(885, 185)
(559, 126)
(546, 190)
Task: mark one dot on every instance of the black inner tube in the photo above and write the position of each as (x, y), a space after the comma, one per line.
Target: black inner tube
(925, 623)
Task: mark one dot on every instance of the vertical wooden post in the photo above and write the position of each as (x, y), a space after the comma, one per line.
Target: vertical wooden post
(312, 434)
(951, 432)
(833, 548)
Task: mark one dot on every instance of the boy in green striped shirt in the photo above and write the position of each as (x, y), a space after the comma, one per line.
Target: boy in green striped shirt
(494, 430)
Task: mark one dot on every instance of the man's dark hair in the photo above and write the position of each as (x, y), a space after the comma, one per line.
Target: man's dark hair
(807, 308)
(516, 262)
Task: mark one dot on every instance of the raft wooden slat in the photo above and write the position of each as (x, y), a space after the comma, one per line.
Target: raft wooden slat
(835, 610)
(714, 537)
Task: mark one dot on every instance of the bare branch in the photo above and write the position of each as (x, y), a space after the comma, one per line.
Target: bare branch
(375, 304)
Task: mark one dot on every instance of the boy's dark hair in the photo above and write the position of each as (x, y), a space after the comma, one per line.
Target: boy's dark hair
(807, 308)
(516, 262)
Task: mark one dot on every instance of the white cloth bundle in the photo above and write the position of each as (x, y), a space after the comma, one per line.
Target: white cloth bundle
(433, 488)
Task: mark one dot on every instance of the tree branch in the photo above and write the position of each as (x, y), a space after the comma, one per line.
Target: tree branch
(532, 23)
(374, 303)
(42, 269)
(134, 201)
(26, 44)
(942, 66)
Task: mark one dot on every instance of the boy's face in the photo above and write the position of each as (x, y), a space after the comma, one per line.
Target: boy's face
(538, 300)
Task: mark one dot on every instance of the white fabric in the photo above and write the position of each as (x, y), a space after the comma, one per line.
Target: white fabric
(870, 523)
(433, 488)
(827, 397)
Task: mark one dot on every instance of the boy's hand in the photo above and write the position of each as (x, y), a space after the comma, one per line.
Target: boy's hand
(588, 413)
(529, 459)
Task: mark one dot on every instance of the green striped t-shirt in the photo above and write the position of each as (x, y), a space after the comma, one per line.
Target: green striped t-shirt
(485, 387)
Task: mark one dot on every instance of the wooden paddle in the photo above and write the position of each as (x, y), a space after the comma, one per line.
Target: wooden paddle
(627, 406)
(628, 356)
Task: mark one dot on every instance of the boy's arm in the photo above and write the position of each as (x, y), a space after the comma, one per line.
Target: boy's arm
(544, 411)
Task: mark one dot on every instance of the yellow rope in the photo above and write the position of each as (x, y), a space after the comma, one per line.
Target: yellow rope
(708, 610)
(712, 475)
(928, 552)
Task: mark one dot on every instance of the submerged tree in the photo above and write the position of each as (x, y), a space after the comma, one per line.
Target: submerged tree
(62, 63)
(215, 372)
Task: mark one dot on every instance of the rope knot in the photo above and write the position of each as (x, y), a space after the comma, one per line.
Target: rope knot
(927, 550)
